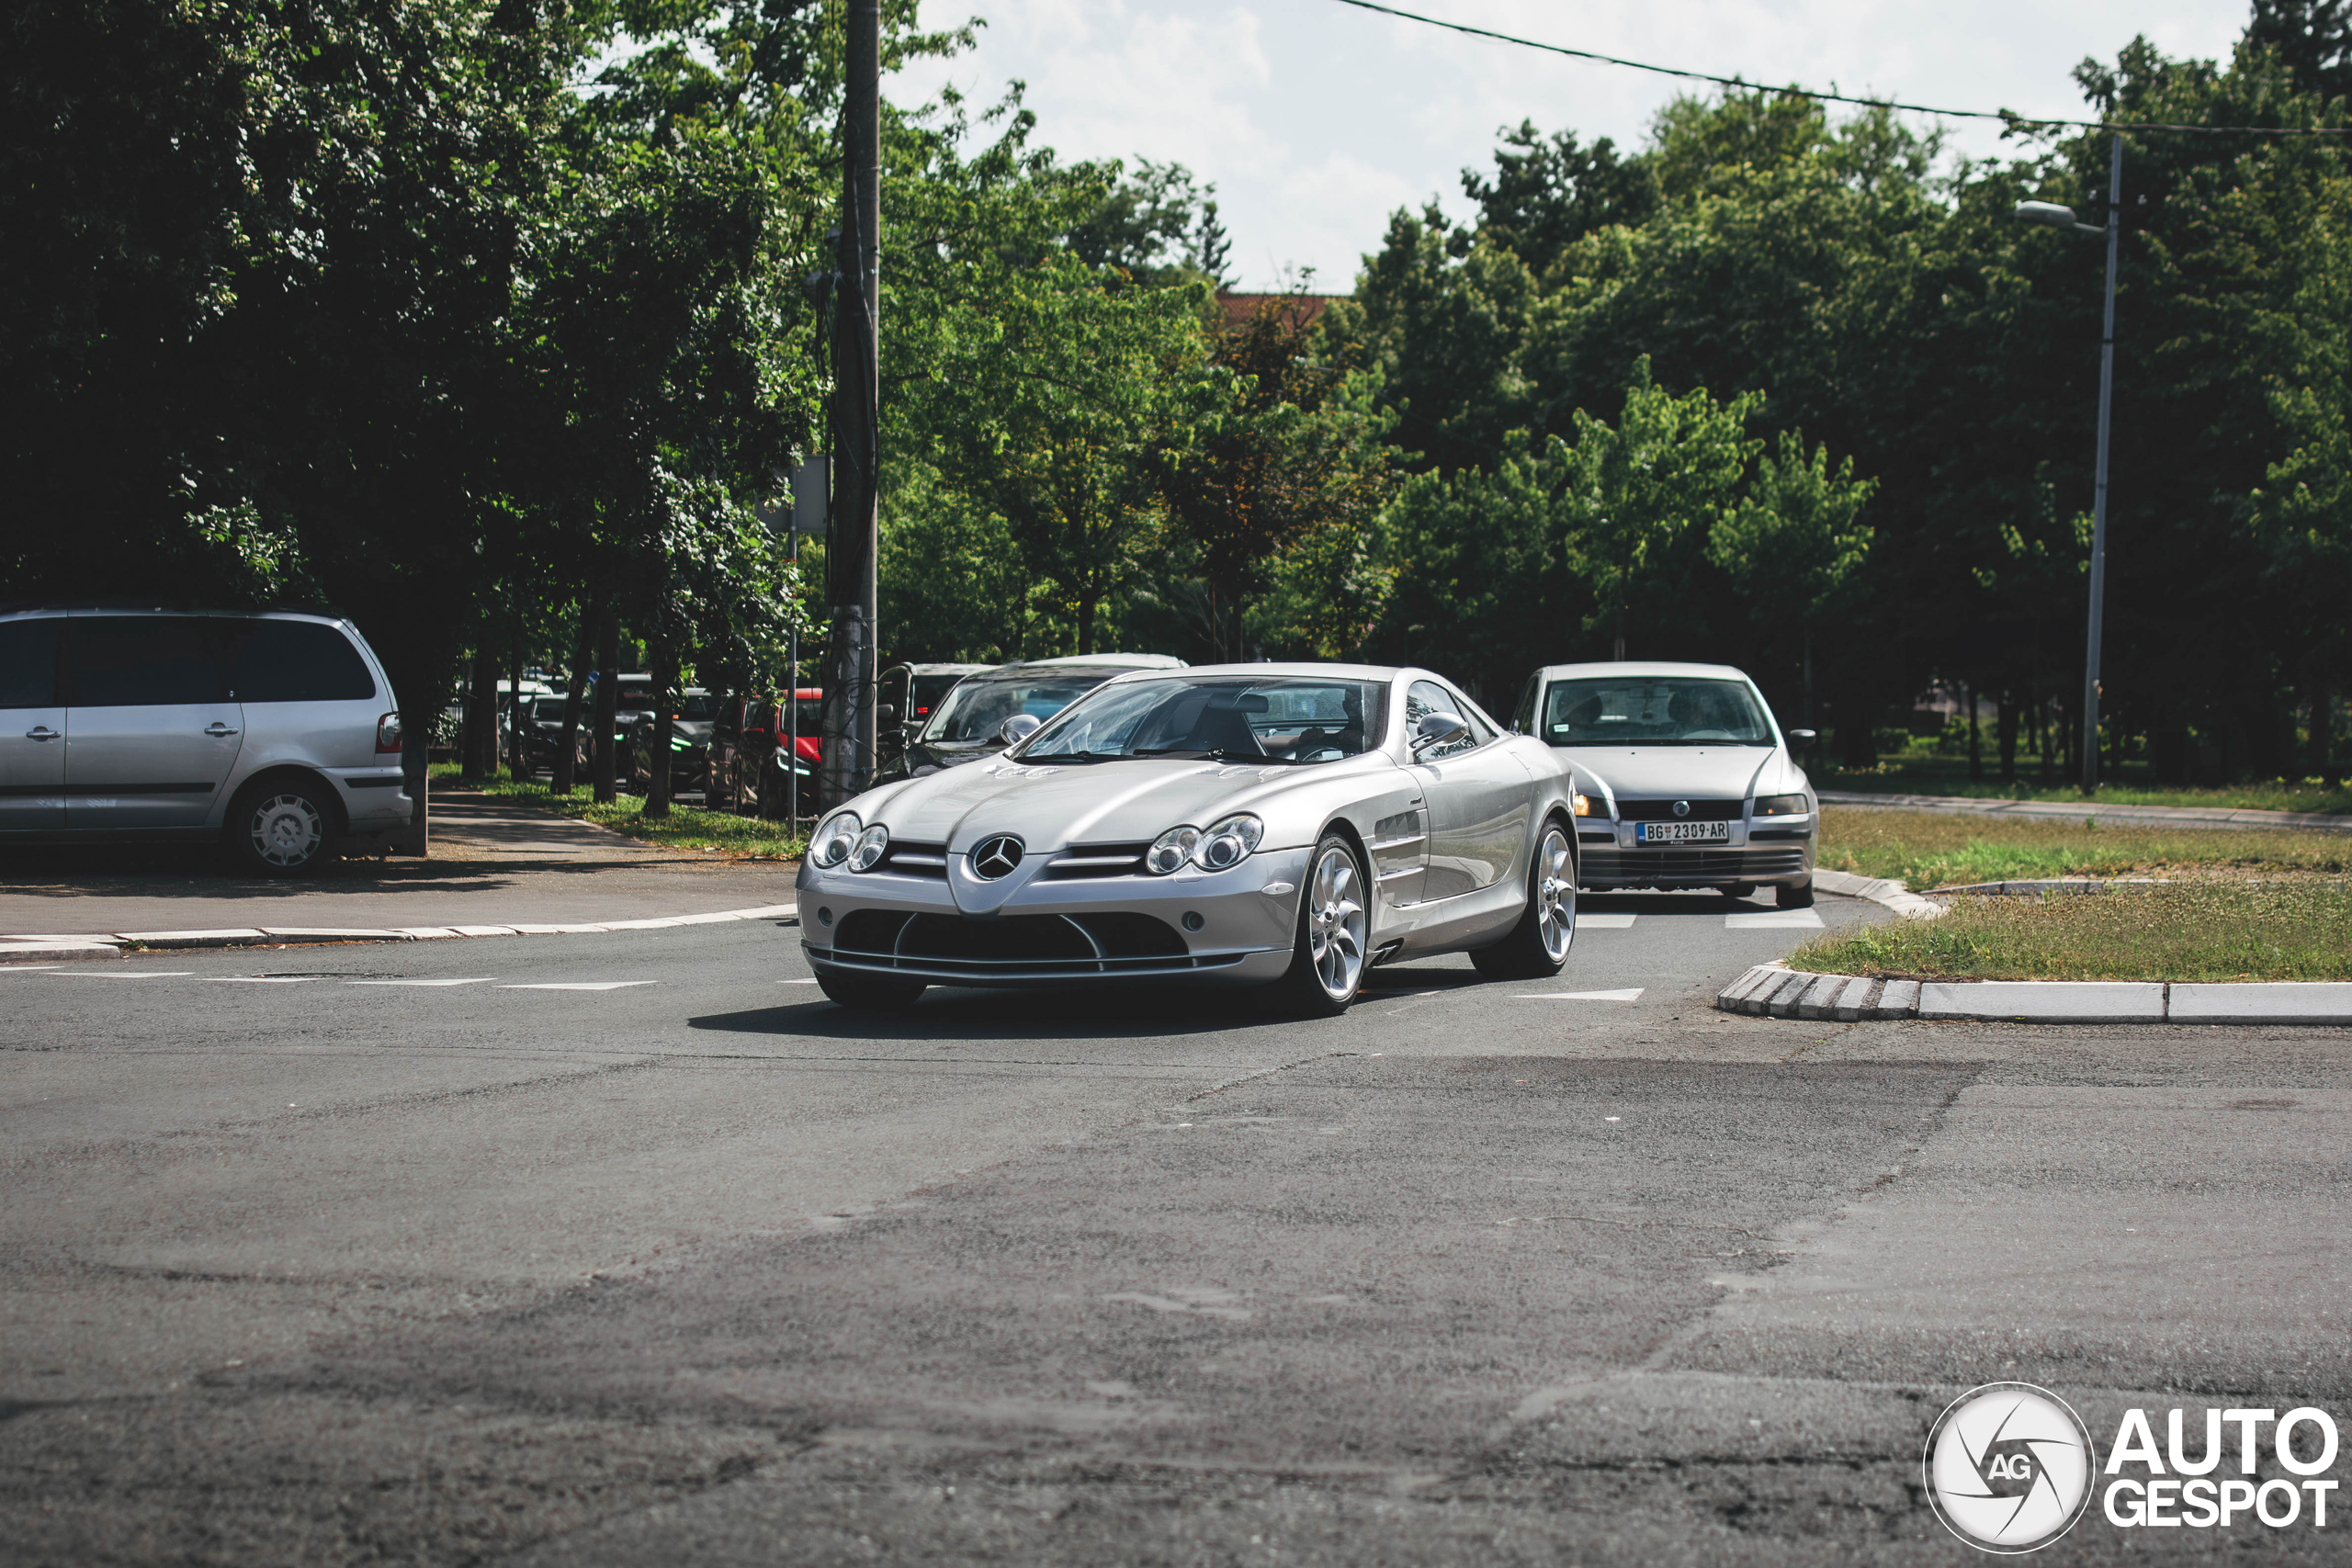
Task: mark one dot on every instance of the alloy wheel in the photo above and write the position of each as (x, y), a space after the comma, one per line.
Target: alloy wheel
(1335, 923)
(1555, 893)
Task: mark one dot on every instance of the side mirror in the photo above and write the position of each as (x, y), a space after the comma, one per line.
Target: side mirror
(885, 713)
(1438, 729)
(1019, 727)
(1803, 737)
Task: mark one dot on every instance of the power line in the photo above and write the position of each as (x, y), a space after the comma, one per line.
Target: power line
(2007, 117)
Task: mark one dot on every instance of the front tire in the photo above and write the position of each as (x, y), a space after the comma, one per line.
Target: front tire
(869, 993)
(1329, 956)
(1538, 946)
(281, 830)
(1793, 896)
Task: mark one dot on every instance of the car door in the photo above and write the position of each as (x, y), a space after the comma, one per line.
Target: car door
(1477, 796)
(32, 728)
(152, 734)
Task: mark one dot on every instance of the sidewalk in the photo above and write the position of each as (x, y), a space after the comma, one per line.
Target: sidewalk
(493, 865)
(2059, 810)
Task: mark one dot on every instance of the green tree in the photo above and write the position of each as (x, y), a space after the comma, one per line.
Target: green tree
(1795, 541)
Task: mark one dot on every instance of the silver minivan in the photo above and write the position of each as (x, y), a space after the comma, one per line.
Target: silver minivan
(274, 732)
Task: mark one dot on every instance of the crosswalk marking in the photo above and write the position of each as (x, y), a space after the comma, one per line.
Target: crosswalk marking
(578, 986)
(1775, 920)
(118, 975)
(261, 979)
(1631, 994)
(475, 980)
(1601, 922)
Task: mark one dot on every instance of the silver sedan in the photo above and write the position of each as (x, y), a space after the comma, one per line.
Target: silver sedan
(1284, 825)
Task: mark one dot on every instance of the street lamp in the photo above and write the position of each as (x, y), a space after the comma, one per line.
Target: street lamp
(2059, 217)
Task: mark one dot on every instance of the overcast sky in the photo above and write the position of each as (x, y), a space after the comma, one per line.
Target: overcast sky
(1316, 120)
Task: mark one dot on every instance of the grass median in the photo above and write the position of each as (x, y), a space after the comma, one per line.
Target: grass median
(1925, 850)
(686, 827)
(2298, 929)
(1947, 777)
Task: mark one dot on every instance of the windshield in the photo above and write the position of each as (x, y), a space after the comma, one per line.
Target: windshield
(975, 710)
(547, 710)
(1654, 710)
(1225, 717)
(700, 705)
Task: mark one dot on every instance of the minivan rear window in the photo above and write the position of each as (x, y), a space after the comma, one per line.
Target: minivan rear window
(28, 664)
(297, 661)
(115, 662)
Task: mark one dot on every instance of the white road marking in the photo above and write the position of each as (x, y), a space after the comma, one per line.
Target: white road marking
(261, 979)
(796, 982)
(141, 974)
(1606, 922)
(1632, 995)
(578, 986)
(28, 968)
(1774, 920)
(476, 980)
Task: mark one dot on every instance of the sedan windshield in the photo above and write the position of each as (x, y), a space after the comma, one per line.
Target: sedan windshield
(1221, 717)
(1654, 710)
(975, 710)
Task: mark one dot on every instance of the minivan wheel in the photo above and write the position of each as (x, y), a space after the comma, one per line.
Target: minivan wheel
(281, 830)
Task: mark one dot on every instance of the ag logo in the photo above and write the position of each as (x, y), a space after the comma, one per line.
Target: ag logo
(993, 858)
(2008, 1466)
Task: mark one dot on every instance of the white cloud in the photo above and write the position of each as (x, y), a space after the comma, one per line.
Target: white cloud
(1316, 119)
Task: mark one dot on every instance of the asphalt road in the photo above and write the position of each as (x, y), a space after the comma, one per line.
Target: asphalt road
(434, 1254)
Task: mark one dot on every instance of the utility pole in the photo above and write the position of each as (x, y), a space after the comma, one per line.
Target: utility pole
(2059, 217)
(851, 562)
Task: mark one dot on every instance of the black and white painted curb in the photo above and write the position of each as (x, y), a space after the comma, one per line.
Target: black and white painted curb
(117, 944)
(1775, 990)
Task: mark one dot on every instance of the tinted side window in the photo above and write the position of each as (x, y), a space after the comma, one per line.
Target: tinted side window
(29, 664)
(297, 661)
(141, 660)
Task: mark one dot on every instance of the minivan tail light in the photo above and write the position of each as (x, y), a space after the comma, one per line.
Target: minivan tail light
(388, 735)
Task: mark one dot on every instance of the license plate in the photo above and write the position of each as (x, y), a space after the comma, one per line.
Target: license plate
(1682, 832)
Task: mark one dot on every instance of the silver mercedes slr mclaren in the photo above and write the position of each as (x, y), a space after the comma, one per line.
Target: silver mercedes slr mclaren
(1282, 825)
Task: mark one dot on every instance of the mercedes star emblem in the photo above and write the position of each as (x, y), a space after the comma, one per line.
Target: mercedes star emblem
(993, 858)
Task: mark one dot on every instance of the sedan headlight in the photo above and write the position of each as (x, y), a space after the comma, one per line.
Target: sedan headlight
(833, 840)
(1228, 843)
(1583, 805)
(1171, 850)
(871, 845)
(1780, 806)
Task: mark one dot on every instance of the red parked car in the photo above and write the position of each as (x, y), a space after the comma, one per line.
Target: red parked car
(749, 772)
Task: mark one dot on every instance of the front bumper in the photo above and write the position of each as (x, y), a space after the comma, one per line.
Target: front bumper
(1086, 930)
(1615, 861)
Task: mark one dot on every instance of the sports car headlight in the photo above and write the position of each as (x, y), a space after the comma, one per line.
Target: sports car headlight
(1228, 843)
(870, 847)
(833, 839)
(1780, 806)
(1171, 850)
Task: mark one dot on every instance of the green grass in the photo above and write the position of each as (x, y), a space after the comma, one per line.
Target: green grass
(2296, 930)
(1909, 775)
(1927, 848)
(686, 827)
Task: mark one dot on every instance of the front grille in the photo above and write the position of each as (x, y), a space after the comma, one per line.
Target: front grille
(1623, 865)
(1663, 811)
(1082, 860)
(1013, 946)
(915, 860)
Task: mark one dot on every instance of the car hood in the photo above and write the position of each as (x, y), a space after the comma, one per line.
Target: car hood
(1055, 805)
(1660, 773)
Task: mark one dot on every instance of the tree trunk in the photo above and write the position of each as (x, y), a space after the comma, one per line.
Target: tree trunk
(1975, 744)
(564, 775)
(481, 708)
(2005, 730)
(608, 681)
(665, 719)
(2319, 752)
(1086, 603)
(1808, 671)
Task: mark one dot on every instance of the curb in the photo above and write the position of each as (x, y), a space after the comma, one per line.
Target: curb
(1878, 890)
(2162, 815)
(1775, 990)
(122, 943)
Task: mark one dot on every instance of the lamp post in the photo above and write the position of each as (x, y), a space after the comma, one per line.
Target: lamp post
(2059, 217)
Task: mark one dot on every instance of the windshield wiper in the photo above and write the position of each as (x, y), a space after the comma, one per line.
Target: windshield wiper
(1069, 757)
